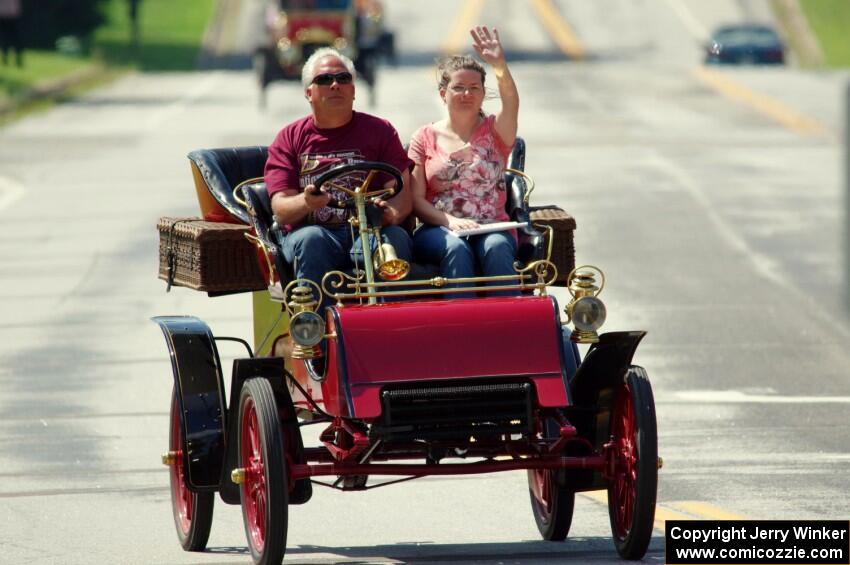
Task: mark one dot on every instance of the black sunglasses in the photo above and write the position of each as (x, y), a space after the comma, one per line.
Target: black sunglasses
(327, 79)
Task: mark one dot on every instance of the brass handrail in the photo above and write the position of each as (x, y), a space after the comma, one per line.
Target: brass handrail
(546, 273)
(549, 239)
(236, 196)
(529, 183)
(262, 246)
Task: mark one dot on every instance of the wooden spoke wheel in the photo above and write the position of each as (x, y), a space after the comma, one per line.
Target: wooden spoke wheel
(551, 503)
(634, 473)
(193, 512)
(264, 491)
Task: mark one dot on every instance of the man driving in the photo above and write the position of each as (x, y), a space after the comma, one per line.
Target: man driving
(317, 238)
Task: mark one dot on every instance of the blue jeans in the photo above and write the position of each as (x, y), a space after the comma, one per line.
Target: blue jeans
(315, 250)
(491, 254)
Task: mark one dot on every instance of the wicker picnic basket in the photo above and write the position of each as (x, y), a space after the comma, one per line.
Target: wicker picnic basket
(213, 257)
(563, 247)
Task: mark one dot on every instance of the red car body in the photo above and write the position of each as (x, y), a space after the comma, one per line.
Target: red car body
(438, 340)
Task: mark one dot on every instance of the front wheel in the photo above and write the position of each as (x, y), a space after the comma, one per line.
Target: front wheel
(264, 491)
(634, 467)
(551, 504)
(193, 511)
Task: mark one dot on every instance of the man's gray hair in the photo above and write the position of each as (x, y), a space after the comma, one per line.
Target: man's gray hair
(310, 64)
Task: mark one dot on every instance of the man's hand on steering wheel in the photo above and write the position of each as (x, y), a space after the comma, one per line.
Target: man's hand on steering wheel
(390, 214)
(316, 198)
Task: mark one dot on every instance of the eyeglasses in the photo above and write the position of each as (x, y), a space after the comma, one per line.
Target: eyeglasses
(327, 79)
(464, 89)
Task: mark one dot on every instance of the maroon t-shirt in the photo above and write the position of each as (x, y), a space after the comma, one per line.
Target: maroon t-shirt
(301, 152)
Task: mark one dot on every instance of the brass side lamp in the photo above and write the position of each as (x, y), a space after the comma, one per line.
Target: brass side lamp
(586, 311)
(306, 326)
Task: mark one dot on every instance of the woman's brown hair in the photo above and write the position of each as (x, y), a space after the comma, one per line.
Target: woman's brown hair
(447, 65)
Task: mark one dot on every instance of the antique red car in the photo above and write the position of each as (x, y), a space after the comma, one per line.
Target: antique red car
(297, 28)
(406, 380)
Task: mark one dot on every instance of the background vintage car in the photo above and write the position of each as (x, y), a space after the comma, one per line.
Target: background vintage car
(295, 29)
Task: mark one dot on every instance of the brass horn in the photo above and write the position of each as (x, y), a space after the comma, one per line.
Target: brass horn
(387, 264)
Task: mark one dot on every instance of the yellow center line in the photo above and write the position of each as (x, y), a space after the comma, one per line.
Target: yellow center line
(765, 105)
(706, 510)
(558, 29)
(459, 37)
(684, 510)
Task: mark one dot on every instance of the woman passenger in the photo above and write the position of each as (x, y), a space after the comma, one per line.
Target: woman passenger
(458, 177)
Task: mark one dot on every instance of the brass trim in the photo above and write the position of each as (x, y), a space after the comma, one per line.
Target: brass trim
(361, 190)
(535, 276)
(239, 186)
(262, 246)
(305, 352)
(529, 183)
(584, 337)
(341, 277)
(289, 289)
(575, 273)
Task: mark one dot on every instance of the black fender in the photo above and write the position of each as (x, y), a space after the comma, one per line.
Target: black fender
(605, 365)
(593, 389)
(273, 370)
(200, 394)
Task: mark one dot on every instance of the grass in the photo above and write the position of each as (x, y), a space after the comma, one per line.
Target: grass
(170, 35)
(830, 21)
(39, 67)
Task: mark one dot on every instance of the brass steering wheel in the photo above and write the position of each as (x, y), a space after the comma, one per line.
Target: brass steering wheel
(371, 168)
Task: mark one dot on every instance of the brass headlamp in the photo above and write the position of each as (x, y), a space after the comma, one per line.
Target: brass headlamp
(586, 311)
(306, 326)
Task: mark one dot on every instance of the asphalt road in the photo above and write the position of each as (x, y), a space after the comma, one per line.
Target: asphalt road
(713, 201)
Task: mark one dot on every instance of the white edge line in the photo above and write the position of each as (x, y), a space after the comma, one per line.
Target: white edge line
(10, 192)
(738, 397)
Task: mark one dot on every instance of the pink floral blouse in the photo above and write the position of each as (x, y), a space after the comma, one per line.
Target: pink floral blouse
(469, 182)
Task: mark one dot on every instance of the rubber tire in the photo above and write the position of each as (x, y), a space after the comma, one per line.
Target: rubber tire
(553, 520)
(257, 397)
(192, 518)
(632, 541)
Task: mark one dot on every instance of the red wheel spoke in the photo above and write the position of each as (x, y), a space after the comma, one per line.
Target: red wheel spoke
(255, 480)
(625, 480)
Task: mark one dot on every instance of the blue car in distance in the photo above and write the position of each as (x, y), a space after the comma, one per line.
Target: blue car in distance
(745, 44)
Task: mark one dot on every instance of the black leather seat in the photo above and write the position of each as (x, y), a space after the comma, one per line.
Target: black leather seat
(530, 245)
(218, 171)
(266, 228)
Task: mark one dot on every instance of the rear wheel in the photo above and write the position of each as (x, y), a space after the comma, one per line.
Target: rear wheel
(634, 473)
(264, 491)
(193, 512)
(552, 504)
